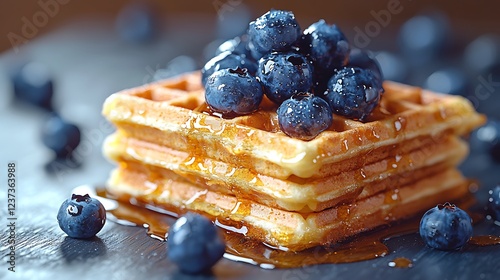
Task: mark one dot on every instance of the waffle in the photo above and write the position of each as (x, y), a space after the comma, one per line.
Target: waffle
(181, 121)
(173, 151)
(295, 195)
(293, 230)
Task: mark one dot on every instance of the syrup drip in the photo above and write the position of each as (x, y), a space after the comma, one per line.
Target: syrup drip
(401, 263)
(485, 240)
(244, 249)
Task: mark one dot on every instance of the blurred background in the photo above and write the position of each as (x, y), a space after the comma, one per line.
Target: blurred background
(65, 56)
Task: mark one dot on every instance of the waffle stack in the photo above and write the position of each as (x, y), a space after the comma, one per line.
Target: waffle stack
(172, 152)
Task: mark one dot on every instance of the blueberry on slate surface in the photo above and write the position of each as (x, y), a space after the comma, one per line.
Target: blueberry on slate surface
(494, 202)
(81, 216)
(60, 136)
(137, 23)
(365, 60)
(32, 84)
(353, 93)
(276, 30)
(304, 116)
(237, 45)
(194, 243)
(230, 91)
(326, 46)
(227, 60)
(284, 74)
(446, 227)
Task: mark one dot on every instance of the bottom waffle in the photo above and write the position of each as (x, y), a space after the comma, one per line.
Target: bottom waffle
(296, 231)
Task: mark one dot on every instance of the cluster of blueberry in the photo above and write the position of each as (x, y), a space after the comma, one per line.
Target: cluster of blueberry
(310, 74)
(33, 85)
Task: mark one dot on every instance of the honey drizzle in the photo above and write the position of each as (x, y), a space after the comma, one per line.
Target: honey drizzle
(401, 263)
(244, 249)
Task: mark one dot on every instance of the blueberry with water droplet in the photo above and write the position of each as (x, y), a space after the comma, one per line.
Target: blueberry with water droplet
(33, 84)
(229, 91)
(284, 74)
(60, 136)
(365, 60)
(304, 116)
(446, 227)
(326, 46)
(276, 30)
(353, 92)
(81, 216)
(194, 244)
(227, 60)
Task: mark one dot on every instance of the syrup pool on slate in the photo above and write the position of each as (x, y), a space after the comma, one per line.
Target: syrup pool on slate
(240, 248)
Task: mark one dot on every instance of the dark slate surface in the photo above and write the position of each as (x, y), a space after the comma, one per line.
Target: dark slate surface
(89, 62)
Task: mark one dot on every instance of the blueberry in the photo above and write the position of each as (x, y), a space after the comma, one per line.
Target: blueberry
(284, 74)
(194, 243)
(326, 46)
(304, 116)
(446, 227)
(32, 84)
(237, 45)
(353, 93)
(60, 136)
(365, 60)
(227, 60)
(494, 202)
(276, 30)
(233, 91)
(137, 23)
(81, 216)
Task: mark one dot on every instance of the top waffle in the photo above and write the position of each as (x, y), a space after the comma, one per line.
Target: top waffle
(173, 113)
